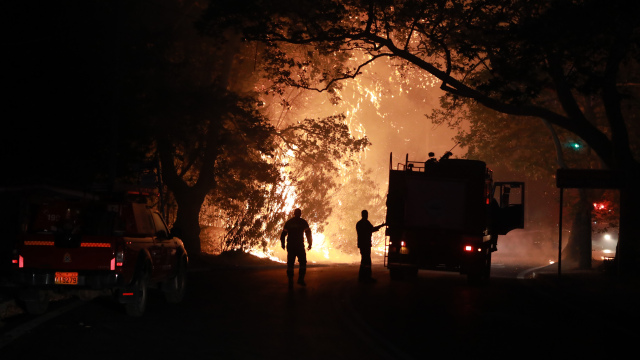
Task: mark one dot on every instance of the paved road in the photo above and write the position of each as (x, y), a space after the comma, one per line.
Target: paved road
(250, 314)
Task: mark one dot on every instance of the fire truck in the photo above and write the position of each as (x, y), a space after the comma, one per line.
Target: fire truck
(446, 214)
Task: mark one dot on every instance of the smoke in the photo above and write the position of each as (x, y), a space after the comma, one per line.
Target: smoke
(390, 110)
(527, 248)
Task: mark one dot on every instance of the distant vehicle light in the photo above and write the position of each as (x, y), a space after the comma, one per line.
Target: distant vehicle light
(468, 248)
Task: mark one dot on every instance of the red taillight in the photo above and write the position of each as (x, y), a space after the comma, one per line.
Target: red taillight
(470, 248)
(404, 249)
(119, 259)
(16, 258)
(19, 261)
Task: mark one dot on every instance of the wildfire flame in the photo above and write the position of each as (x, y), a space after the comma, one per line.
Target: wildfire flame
(371, 94)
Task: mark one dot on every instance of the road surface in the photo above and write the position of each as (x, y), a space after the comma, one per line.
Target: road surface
(251, 314)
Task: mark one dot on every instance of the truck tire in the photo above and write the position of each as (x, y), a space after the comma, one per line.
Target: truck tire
(174, 287)
(140, 287)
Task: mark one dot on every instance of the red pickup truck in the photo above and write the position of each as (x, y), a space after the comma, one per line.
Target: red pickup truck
(70, 243)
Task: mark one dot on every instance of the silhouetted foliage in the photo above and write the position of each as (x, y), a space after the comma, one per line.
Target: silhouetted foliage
(502, 54)
(197, 97)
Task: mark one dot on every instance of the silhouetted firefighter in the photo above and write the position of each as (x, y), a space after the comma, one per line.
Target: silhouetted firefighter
(296, 228)
(365, 229)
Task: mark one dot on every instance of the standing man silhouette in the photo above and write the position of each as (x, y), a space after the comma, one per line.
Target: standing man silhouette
(365, 230)
(294, 231)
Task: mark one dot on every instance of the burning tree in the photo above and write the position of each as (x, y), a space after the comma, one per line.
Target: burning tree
(501, 54)
(198, 104)
(307, 158)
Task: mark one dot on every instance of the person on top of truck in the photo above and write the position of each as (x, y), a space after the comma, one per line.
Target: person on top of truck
(365, 229)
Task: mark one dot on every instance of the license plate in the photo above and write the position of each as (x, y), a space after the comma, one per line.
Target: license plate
(66, 278)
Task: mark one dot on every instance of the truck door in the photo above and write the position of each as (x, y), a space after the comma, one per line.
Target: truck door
(510, 212)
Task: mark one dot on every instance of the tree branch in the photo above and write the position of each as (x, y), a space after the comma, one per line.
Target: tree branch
(596, 139)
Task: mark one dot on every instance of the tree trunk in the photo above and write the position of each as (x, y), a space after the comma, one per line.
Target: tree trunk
(187, 224)
(189, 199)
(628, 248)
(578, 249)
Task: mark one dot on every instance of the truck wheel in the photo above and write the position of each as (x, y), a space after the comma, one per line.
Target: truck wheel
(37, 305)
(174, 288)
(138, 306)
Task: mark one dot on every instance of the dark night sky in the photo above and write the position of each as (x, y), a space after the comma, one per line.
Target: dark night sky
(60, 70)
